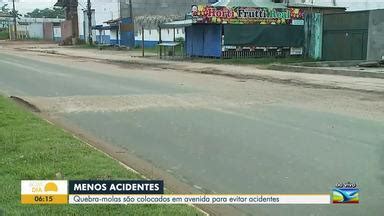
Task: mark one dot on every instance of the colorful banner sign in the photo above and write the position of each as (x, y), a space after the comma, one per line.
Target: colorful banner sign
(247, 15)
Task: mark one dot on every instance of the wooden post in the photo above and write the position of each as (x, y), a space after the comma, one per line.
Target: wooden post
(174, 40)
(117, 36)
(142, 40)
(174, 35)
(160, 47)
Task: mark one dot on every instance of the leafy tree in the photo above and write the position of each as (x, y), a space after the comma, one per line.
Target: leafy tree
(4, 9)
(4, 12)
(47, 13)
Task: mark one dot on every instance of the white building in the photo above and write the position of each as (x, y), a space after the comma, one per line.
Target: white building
(110, 10)
(151, 36)
(37, 28)
(104, 10)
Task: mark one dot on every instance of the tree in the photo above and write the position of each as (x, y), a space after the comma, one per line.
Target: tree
(4, 12)
(4, 9)
(47, 13)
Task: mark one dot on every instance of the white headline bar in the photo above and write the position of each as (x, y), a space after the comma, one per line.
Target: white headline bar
(201, 199)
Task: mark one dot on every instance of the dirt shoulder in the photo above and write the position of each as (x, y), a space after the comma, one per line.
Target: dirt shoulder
(235, 71)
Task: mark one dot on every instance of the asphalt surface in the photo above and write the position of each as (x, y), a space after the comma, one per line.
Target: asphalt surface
(219, 134)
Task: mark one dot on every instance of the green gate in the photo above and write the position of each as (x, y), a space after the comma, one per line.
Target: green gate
(345, 36)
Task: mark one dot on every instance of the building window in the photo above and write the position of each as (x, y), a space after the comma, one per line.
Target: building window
(177, 31)
(150, 32)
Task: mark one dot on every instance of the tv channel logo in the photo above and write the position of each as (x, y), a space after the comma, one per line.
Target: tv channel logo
(345, 194)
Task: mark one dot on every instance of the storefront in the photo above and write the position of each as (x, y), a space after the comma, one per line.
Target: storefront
(230, 30)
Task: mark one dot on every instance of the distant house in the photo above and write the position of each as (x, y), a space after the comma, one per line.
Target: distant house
(39, 28)
(154, 10)
(101, 12)
(112, 22)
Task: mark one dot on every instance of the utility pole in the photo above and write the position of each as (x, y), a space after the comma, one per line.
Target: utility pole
(89, 13)
(130, 10)
(142, 40)
(14, 14)
(132, 23)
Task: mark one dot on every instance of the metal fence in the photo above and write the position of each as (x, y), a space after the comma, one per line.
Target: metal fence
(247, 53)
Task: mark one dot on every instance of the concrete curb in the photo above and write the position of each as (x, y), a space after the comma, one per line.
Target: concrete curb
(328, 71)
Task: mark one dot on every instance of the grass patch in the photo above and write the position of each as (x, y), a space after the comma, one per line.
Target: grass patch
(254, 61)
(33, 149)
(4, 34)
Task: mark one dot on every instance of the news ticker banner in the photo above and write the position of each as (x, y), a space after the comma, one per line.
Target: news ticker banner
(152, 192)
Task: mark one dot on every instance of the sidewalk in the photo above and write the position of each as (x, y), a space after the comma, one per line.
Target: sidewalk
(343, 71)
(313, 80)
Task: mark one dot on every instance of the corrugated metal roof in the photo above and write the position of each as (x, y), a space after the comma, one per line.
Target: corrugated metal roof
(5, 14)
(177, 24)
(249, 3)
(40, 20)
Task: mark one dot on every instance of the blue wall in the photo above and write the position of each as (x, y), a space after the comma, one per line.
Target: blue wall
(203, 40)
(113, 42)
(106, 39)
(127, 37)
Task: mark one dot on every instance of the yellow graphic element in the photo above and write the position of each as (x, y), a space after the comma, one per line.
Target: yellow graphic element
(50, 186)
(44, 199)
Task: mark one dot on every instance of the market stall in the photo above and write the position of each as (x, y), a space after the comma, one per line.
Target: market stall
(245, 29)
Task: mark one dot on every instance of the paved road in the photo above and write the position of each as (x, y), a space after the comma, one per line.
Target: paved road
(220, 134)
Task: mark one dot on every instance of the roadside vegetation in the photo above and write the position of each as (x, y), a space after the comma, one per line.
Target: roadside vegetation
(32, 149)
(4, 34)
(55, 12)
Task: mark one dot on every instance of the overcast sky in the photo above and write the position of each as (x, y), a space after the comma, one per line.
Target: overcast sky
(28, 5)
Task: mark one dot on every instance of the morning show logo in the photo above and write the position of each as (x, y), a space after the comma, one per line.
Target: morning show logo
(345, 193)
